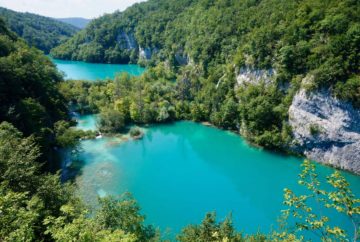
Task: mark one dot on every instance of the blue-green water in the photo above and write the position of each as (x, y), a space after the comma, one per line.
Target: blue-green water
(78, 70)
(179, 172)
(86, 122)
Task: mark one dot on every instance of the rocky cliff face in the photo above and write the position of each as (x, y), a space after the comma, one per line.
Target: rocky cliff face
(145, 53)
(254, 76)
(326, 129)
(126, 41)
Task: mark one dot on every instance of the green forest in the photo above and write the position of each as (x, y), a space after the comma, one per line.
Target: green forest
(41, 32)
(317, 39)
(311, 44)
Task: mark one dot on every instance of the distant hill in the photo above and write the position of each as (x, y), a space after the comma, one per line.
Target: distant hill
(77, 22)
(39, 31)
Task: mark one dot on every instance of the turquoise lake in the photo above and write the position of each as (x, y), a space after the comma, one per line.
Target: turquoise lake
(79, 70)
(178, 172)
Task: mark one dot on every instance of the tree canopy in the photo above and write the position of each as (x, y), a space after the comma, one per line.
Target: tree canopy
(205, 44)
(41, 32)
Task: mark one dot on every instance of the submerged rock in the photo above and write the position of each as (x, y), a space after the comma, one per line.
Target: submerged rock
(326, 129)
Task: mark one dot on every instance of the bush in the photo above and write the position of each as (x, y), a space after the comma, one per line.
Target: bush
(349, 91)
(111, 121)
(135, 132)
(314, 129)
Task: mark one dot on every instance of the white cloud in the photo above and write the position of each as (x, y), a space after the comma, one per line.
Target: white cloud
(68, 8)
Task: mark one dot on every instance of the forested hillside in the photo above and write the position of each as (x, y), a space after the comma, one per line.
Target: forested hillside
(28, 94)
(42, 32)
(238, 64)
(269, 33)
(36, 206)
(111, 38)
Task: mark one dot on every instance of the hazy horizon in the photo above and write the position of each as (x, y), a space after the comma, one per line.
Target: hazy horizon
(68, 8)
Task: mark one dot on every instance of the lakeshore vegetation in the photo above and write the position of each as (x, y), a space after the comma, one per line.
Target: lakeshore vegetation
(316, 37)
(312, 45)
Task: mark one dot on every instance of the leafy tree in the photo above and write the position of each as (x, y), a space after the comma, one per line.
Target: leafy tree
(340, 197)
(41, 32)
(18, 156)
(29, 98)
(18, 215)
(210, 230)
(349, 91)
(111, 121)
(36, 206)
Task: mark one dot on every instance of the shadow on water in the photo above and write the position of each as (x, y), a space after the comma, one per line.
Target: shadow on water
(71, 165)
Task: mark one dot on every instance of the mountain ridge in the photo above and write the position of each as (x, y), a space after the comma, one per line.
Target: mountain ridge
(75, 21)
(42, 32)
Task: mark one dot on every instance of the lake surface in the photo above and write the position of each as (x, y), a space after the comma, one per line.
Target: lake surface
(79, 70)
(179, 172)
(86, 122)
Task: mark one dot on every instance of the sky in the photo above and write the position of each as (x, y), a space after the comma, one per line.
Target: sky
(68, 8)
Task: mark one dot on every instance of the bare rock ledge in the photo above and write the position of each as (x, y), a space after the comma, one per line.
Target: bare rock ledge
(326, 130)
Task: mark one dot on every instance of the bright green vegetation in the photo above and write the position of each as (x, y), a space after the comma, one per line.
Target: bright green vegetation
(349, 91)
(126, 100)
(295, 37)
(310, 44)
(155, 98)
(41, 32)
(102, 39)
(36, 206)
(135, 132)
(28, 94)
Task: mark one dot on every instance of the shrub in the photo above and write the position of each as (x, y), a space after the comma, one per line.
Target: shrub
(135, 132)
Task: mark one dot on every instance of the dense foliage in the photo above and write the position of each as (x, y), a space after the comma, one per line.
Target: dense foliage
(42, 32)
(109, 38)
(35, 205)
(38, 207)
(296, 37)
(29, 98)
(340, 198)
(125, 100)
(307, 44)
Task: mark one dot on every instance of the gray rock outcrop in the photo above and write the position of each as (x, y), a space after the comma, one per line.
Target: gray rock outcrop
(326, 130)
(146, 53)
(126, 41)
(254, 76)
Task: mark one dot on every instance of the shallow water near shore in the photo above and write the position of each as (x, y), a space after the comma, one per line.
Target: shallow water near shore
(178, 172)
